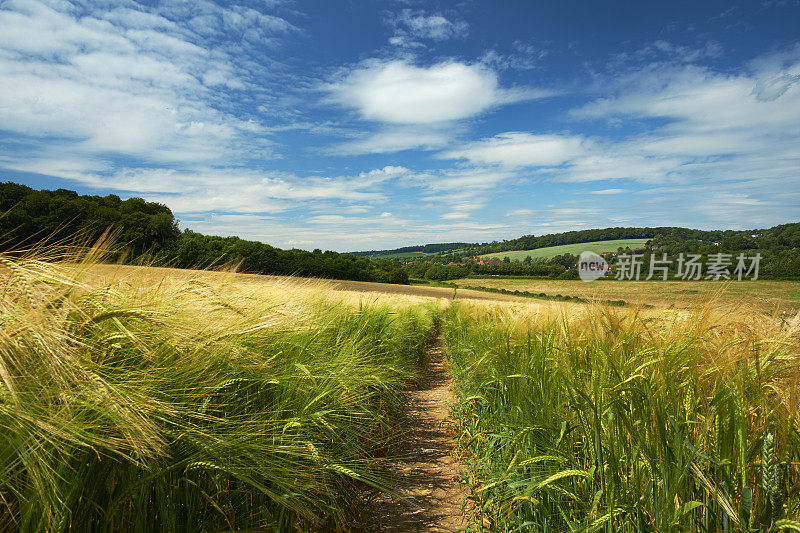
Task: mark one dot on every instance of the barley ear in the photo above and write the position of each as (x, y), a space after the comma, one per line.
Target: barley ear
(769, 481)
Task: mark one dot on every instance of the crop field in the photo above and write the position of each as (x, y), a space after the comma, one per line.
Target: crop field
(765, 295)
(575, 249)
(160, 400)
(153, 399)
(608, 419)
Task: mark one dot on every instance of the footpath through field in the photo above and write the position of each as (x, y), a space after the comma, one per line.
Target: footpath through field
(431, 497)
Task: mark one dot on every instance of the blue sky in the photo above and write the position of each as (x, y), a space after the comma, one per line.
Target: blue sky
(360, 125)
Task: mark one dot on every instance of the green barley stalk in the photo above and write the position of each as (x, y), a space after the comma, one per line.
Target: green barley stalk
(662, 411)
(129, 403)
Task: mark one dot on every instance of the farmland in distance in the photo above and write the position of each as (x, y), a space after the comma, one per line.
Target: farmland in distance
(599, 247)
(766, 295)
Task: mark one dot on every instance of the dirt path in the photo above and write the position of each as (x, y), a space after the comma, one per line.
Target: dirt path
(430, 494)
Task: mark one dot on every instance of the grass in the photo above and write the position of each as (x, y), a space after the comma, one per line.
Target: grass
(575, 249)
(132, 400)
(628, 421)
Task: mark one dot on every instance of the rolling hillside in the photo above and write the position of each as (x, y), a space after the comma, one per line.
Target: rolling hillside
(397, 255)
(575, 249)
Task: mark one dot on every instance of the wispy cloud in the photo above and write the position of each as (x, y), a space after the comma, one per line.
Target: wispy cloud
(522, 56)
(127, 82)
(516, 149)
(412, 26)
(609, 191)
(712, 126)
(662, 51)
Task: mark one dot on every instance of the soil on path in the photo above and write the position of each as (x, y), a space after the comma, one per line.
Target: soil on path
(431, 496)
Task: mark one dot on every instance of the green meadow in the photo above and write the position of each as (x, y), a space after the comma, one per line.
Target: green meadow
(575, 249)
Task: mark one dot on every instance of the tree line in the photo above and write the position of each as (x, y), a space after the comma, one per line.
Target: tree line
(778, 246)
(673, 239)
(424, 248)
(435, 271)
(148, 230)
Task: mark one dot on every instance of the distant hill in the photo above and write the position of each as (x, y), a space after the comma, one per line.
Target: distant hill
(550, 254)
(787, 235)
(414, 250)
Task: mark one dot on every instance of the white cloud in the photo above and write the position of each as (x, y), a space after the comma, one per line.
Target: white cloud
(716, 126)
(344, 233)
(382, 174)
(697, 101)
(516, 149)
(398, 92)
(706, 126)
(399, 40)
(459, 190)
(609, 191)
(124, 82)
(455, 215)
(253, 191)
(385, 220)
(201, 189)
(741, 205)
(621, 162)
(767, 90)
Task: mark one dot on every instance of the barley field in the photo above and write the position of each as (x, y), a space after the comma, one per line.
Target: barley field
(136, 399)
(763, 295)
(608, 419)
(153, 399)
